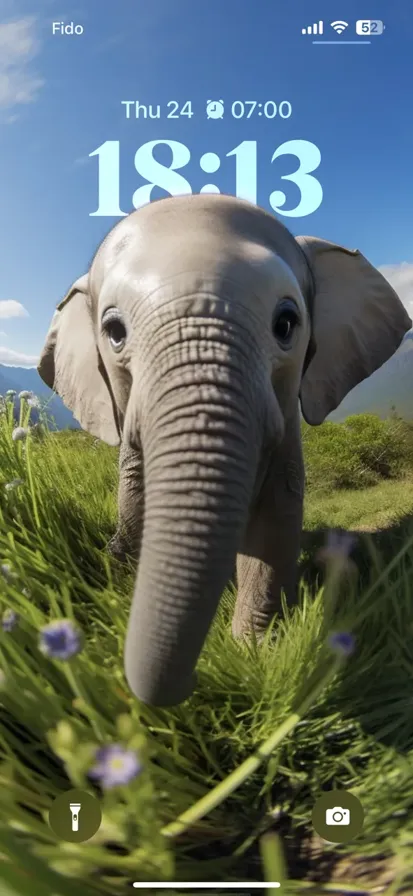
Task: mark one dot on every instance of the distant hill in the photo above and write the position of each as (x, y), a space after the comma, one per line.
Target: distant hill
(388, 388)
(21, 378)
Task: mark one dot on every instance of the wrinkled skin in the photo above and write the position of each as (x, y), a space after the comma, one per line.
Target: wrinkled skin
(200, 327)
(127, 539)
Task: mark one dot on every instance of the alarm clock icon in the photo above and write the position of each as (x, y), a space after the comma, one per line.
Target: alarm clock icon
(215, 108)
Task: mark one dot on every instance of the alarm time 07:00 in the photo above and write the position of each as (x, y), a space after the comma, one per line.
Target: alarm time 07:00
(213, 109)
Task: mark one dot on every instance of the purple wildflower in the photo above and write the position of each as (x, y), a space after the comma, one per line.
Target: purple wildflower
(60, 640)
(9, 620)
(115, 766)
(343, 643)
(337, 548)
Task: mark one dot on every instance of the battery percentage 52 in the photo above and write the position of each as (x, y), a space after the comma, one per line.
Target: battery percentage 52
(369, 26)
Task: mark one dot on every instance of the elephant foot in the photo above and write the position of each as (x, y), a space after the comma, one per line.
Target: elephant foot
(245, 629)
(119, 548)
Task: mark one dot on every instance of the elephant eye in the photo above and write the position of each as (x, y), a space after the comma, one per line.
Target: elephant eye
(285, 321)
(114, 328)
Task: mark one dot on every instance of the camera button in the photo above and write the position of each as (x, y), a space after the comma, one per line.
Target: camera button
(338, 816)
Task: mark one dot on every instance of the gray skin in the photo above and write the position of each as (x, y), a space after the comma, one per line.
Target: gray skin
(127, 539)
(198, 331)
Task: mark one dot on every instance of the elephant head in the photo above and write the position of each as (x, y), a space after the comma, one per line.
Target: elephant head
(200, 327)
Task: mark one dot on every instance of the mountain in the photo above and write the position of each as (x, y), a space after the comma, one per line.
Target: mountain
(22, 378)
(388, 389)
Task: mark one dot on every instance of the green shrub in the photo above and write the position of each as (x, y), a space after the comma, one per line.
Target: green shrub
(358, 453)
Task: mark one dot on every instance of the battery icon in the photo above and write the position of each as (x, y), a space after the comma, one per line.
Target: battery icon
(369, 26)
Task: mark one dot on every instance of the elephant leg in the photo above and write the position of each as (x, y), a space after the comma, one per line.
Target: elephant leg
(127, 538)
(268, 562)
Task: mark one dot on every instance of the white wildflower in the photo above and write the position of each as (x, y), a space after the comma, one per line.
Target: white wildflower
(25, 394)
(19, 434)
(7, 572)
(33, 401)
(13, 484)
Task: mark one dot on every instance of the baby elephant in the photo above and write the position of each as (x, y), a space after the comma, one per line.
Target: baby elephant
(201, 327)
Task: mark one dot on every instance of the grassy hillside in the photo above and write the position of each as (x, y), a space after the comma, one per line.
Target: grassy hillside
(359, 473)
(323, 719)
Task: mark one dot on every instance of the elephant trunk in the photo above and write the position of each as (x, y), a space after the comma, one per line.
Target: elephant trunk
(201, 429)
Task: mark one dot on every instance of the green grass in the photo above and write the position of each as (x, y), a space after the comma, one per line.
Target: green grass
(321, 723)
(378, 507)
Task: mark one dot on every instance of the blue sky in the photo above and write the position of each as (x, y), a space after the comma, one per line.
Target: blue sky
(61, 99)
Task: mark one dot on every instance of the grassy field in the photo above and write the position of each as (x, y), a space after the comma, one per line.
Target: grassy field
(322, 720)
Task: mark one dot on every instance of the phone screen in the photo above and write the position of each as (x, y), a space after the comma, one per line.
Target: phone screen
(206, 448)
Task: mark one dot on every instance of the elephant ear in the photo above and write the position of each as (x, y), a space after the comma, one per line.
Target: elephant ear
(70, 364)
(358, 322)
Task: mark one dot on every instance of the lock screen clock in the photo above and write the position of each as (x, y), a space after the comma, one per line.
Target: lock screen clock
(245, 166)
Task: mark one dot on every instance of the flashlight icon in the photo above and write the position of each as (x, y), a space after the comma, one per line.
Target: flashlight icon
(75, 809)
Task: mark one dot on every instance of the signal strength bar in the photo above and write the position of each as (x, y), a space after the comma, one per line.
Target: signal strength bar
(317, 28)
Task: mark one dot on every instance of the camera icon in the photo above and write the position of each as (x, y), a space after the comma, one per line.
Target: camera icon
(337, 815)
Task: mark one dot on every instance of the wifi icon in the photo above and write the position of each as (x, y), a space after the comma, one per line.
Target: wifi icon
(339, 27)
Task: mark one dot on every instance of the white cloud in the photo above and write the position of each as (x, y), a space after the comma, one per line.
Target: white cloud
(400, 276)
(11, 308)
(19, 83)
(17, 359)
